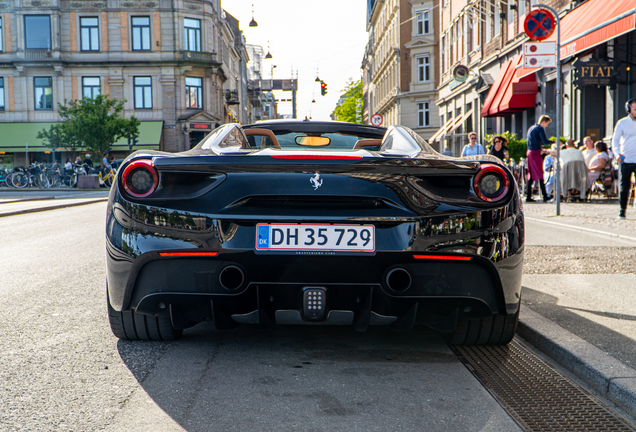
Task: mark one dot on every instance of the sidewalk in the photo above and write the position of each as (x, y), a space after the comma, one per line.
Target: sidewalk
(579, 293)
(600, 215)
(19, 201)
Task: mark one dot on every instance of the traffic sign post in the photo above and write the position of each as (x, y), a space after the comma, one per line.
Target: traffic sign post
(539, 25)
(539, 54)
(377, 120)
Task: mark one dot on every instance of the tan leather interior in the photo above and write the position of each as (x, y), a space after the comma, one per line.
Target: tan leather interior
(264, 132)
(367, 143)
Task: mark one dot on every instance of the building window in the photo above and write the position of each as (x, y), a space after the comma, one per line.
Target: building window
(423, 114)
(497, 20)
(43, 93)
(89, 34)
(1, 94)
(192, 29)
(37, 31)
(488, 29)
(443, 50)
(143, 92)
(141, 33)
(194, 91)
(90, 87)
(423, 69)
(422, 23)
(1, 33)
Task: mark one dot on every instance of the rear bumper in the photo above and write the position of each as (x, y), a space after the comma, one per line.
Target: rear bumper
(359, 290)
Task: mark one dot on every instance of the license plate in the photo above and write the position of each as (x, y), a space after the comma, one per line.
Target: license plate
(279, 237)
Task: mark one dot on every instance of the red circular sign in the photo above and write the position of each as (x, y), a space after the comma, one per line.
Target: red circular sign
(533, 48)
(539, 24)
(376, 119)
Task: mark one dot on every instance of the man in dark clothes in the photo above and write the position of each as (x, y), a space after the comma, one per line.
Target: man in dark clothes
(536, 139)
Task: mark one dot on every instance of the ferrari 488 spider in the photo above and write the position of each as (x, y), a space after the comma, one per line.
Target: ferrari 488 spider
(315, 223)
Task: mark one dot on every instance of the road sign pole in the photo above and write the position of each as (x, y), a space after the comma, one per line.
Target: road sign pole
(557, 179)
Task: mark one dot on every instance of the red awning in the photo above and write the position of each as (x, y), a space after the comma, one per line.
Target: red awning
(521, 93)
(515, 91)
(593, 23)
(495, 109)
(494, 89)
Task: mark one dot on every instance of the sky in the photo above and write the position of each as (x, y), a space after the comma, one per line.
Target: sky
(325, 38)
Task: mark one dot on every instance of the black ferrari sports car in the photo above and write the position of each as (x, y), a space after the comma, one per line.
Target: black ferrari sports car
(315, 223)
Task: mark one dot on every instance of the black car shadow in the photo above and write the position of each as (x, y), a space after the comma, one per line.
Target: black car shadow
(597, 334)
(309, 378)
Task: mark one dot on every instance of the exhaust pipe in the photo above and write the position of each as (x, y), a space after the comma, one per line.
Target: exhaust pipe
(398, 279)
(231, 277)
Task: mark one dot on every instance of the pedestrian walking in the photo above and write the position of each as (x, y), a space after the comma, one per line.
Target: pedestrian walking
(624, 147)
(536, 139)
(499, 147)
(473, 148)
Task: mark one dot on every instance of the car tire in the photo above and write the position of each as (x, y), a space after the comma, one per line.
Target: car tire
(496, 330)
(130, 325)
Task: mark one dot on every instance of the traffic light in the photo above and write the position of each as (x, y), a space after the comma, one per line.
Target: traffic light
(323, 88)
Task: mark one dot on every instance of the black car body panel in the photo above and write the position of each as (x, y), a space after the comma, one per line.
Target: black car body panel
(443, 253)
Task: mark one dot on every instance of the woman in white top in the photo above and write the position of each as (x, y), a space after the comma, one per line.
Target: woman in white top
(597, 163)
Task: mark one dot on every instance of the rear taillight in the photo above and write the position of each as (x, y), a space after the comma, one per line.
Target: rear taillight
(140, 178)
(491, 183)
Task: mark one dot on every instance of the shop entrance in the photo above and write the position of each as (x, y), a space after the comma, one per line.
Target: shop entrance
(196, 137)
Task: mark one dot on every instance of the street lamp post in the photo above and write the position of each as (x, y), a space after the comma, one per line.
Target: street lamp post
(557, 180)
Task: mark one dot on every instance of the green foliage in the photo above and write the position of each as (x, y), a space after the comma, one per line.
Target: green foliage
(351, 108)
(92, 124)
(562, 139)
(517, 148)
(58, 136)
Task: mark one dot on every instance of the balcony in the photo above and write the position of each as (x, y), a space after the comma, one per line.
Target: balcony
(231, 97)
(36, 55)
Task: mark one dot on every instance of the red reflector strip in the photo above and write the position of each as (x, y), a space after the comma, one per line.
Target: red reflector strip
(443, 257)
(188, 254)
(323, 157)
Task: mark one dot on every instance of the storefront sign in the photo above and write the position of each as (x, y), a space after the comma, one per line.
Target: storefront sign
(525, 88)
(596, 73)
(200, 126)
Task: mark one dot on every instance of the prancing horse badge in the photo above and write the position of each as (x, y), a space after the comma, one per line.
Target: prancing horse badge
(316, 182)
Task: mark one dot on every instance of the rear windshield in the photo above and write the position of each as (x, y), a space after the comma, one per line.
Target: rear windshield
(338, 141)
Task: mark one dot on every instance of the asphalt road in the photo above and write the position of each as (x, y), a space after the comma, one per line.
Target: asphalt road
(61, 368)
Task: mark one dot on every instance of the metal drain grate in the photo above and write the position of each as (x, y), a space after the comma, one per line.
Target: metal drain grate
(537, 396)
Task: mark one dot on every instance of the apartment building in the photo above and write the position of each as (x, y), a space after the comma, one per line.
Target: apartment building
(174, 61)
(499, 94)
(399, 67)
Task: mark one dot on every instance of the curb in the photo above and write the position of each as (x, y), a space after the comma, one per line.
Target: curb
(607, 375)
(56, 207)
(577, 228)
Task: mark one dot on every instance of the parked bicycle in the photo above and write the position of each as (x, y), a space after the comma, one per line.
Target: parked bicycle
(33, 176)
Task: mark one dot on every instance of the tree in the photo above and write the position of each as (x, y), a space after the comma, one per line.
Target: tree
(132, 132)
(96, 123)
(350, 110)
(55, 137)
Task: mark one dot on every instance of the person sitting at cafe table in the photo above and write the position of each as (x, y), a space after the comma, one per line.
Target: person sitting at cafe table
(573, 176)
(588, 150)
(597, 164)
